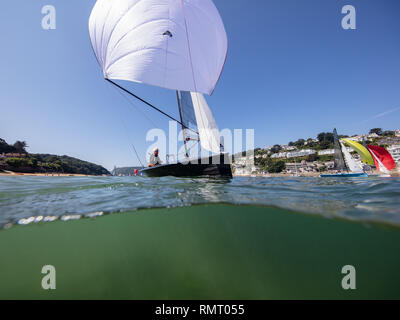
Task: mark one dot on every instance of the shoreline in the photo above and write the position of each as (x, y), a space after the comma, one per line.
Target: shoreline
(393, 174)
(12, 173)
(273, 175)
(282, 175)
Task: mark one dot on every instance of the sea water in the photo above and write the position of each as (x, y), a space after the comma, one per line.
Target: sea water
(180, 238)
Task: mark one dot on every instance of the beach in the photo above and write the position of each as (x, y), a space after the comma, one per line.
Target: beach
(13, 173)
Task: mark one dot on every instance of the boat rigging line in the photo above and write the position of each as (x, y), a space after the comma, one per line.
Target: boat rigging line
(135, 106)
(149, 104)
(137, 155)
(125, 127)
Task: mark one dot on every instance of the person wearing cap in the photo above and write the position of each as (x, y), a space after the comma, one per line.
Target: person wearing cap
(155, 159)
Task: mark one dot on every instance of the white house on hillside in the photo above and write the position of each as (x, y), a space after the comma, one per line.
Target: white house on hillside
(326, 152)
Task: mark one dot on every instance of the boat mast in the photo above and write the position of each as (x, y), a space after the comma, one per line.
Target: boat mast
(183, 126)
(344, 161)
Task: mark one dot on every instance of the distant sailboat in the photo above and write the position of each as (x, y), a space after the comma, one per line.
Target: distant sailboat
(344, 161)
(373, 156)
(173, 44)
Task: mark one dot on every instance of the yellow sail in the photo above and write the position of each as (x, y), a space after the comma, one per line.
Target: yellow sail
(361, 150)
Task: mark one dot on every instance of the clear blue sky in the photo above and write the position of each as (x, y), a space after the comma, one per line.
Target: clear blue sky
(291, 72)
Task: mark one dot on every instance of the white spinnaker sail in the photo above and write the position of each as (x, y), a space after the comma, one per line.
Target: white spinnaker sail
(351, 163)
(174, 44)
(210, 139)
(382, 167)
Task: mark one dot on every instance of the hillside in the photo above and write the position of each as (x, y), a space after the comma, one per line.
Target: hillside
(15, 158)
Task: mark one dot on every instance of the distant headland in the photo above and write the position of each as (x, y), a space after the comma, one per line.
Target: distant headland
(125, 171)
(14, 159)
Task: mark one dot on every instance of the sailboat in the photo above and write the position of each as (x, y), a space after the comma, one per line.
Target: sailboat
(344, 162)
(176, 45)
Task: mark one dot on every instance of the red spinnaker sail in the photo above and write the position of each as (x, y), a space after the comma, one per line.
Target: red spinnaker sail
(384, 156)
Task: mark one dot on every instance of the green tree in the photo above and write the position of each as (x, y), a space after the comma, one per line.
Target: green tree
(20, 146)
(263, 163)
(32, 162)
(325, 136)
(276, 167)
(276, 148)
(321, 136)
(299, 143)
(5, 147)
(312, 157)
(389, 133)
(326, 145)
(17, 162)
(323, 168)
(378, 131)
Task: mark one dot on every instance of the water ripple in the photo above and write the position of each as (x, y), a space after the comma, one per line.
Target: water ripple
(37, 199)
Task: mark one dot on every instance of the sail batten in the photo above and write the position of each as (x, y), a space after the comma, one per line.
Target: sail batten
(173, 44)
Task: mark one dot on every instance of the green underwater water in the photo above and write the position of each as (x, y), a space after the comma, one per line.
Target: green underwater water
(210, 251)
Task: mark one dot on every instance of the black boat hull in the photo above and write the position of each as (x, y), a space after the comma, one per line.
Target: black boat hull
(207, 167)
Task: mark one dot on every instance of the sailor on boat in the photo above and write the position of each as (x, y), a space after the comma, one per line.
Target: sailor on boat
(155, 159)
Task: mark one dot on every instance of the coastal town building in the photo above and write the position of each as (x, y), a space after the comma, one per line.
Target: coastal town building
(308, 167)
(326, 152)
(390, 141)
(295, 154)
(244, 161)
(394, 150)
(241, 171)
(357, 138)
(244, 166)
(372, 135)
(286, 147)
(289, 148)
(279, 155)
(310, 141)
(12, 155)
(361, 137)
